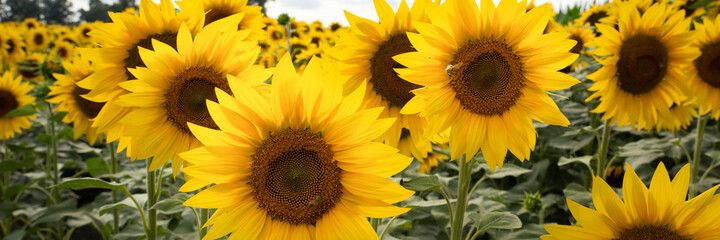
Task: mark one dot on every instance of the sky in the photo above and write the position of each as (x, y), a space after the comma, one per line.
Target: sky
(329, 11)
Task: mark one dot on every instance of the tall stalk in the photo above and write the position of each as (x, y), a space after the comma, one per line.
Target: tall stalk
(697, 155)
(464, 177)
(114, 170)
(603, 149)
(152, 199)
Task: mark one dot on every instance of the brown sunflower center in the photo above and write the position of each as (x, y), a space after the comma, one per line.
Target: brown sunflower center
(708, 64)
(38, 38)
(650, 233)
(85, 32)
(385, 81)
(185, 99)
(89, 108)
(595, 17)
(335, 26)
(7, 102)
(294, 177)
(578, 45)
(276, 35)
(62, 52)
(216, 13)
(11, 46)
(29, 69)
(133, 60)
(487, 77)
(642, 65)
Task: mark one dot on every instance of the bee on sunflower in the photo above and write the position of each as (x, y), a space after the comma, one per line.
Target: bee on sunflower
(484, 75)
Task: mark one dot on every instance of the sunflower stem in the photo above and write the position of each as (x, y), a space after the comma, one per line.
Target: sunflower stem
(387, 227)
(52, 160)
(204, 213)
(375, 222)
(697, 156)
(603, 149)
(152, 212)
(463, 186)
(113, 170)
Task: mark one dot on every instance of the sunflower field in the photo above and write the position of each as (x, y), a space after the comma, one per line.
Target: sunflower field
(456, 119)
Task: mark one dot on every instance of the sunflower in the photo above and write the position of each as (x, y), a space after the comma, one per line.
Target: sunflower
(300, 164)
(171, 91)
(121, 40)
(14, 94)
(68, 97)
(366, 55)
(679, 117)
(63, 50)
(485, 78)
(29, 67)
(36, 39)
(660, 212)
(584, 37)
(13, 46)
(704, 72)
(218, 9)
(82, 32)
(597, 14)
(642, 73)
(431, 161)
(31, 23)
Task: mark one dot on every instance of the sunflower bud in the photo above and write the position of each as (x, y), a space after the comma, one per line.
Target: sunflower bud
(533, 202)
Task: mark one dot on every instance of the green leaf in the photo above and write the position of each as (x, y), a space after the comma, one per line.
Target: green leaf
(423, 183)
(11, 166)
(495, 220)
(715, 155)
(417, 202)
(507, 170)
(172, 204)
(56, 212)
(583, 159)
(96, 166)
(578, 193)
(127, 203)
(26, 110)
(57, 117)
(6, 209)
(84, 183)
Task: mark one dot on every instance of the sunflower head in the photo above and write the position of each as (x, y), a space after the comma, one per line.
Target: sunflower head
(642, 74)
(657, 212)
(484, 77)
(289, 164)
(704, 72)
(14, 94)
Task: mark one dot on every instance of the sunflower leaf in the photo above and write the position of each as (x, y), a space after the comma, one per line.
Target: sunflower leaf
(423, 183)
(26, 110)
(495, 220)
(84, 183)
(171, 204)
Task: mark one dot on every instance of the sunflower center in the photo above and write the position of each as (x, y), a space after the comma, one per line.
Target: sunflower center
(133, 60)
(11, 46)
(595, 17)
(335, 26)
(216, 13)
(385, 81)
(29, 69)
(38, 39)
(7, 102)
(294, 177)
(642, 65)
(85, 32)
(578, 45)
(89, 108)
(708, 64)
(487, 77)
(62, 52)
(276, 35)
(650, 233)
(185, 99)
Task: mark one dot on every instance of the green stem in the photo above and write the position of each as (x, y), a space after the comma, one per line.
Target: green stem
(114, 170)
(5, 175)
(152, 213)
(463, 186)
(375, 222)
(204, 215)
(702, 121)
(387, 227)
(53, 161)
(603, 149)
(449, 205)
